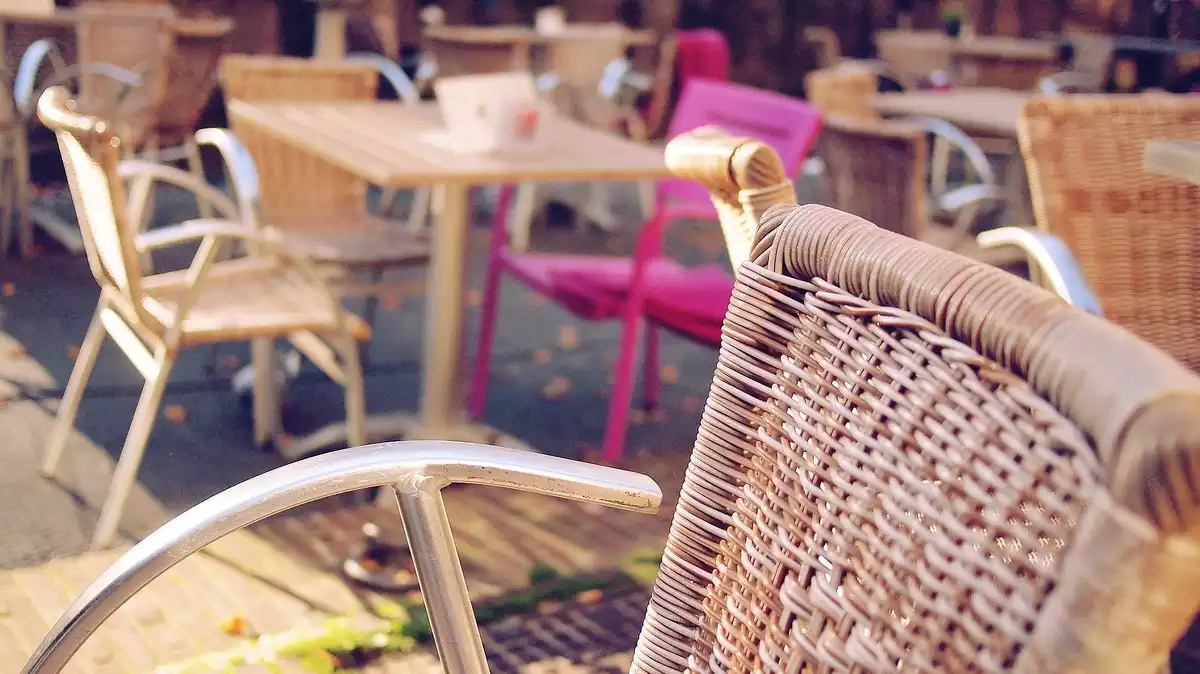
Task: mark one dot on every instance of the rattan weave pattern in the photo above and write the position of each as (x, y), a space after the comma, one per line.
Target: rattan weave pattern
(1134, 232)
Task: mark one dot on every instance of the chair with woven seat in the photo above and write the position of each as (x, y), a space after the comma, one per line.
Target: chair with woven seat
(318, 208)
(908, 461)
(272, 294)
(618, 288)
(1132, 232)
(877, 170)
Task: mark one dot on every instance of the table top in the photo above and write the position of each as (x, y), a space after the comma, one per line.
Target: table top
(381, 142)
(1176, 158)
(977, 110)
(65, 16)
(977, 45)
(519, 34)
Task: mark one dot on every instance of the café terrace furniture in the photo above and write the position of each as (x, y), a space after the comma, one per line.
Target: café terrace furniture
(970, 60)
(381, 142)
(275, 293)
(1131, 231)
(908, 461)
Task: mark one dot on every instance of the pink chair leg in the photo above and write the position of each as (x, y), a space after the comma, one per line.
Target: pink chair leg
(491, 297)
(622, 395)
(650, 368)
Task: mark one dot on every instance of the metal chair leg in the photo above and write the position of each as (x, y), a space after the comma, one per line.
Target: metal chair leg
(131, 454)
(64, 421)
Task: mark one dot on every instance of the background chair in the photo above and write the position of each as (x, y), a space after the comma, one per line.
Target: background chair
(318, 208)
(1132, 232)
(262, 298)
(906, 462)
(603, 288)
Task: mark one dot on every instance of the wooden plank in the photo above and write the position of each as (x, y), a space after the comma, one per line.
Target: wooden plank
(382, 143)
(1176, 158)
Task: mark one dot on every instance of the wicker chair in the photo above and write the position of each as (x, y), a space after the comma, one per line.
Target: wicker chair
(828, 51)
(908, 461)
(877, 170)
(1133, 232)
(152, 317)
(843, 91)
(318, 208)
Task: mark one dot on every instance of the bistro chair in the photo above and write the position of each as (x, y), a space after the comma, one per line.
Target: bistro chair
(273, 294)
(1132, 232)
(316, 207)
(616, 288)
(908, 461)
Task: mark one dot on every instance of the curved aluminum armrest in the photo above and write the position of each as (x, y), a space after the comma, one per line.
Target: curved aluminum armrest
(959, 198)
(961, 141)
(390, 71)
(239, 167)
(395, 463)
(25, 85)
(132, 169)
(1060, 272)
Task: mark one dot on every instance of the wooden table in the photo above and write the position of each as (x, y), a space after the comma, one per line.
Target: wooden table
(1176, 158)
(382, 143)
(511, 47)
(988, 112)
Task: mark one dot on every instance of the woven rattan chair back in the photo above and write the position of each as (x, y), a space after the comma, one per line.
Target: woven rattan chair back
(1015, 72)
(134, 36)
(744, 177)
(90, 152)
(457, 57)
(844, 91)
(298, 187)
(192, 77)
(876, 170)
(1134, 232)
(579, 62)
(910, 461)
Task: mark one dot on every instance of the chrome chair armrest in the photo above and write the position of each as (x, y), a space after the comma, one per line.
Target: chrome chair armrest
(1060, 273)
(945, 132)
(416, 470)
(390, 71)
(26, 88)
(239, 168)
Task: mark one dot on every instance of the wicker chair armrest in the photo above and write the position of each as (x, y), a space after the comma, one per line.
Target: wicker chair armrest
(239, 168)
(390, 71)
(1060, 272)
(141, 174)
(417, 470)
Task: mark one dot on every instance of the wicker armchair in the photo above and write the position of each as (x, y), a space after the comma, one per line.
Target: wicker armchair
(316, 207)
(1132, 232)
(908, 461)
(152, 317)
(877, 170)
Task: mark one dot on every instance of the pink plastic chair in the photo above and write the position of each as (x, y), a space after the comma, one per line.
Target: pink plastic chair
(690, 302)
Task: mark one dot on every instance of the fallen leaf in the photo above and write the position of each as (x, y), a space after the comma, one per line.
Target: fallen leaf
(556, 387)
(285, 440)
(176, 413)
(392, 302)
(9, 289)
(589, 596)
(546, 606)
(691, 404)
(72, 351)
(3, 404)
(541, 356)
(659, 414)
(228, 363)
(637, 417)
(670, 374)
(235, 626)
(568, 337)
(474, 298)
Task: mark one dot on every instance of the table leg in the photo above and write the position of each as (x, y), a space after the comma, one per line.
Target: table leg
(1017, 183)
(330, 35)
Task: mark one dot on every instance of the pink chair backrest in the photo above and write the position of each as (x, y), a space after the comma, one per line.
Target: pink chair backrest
(702, 53)
(788, 125)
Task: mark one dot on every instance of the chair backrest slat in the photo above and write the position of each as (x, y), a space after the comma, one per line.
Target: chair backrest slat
(1133, 232)
(298, 187)
(908, 461)
(91, 151)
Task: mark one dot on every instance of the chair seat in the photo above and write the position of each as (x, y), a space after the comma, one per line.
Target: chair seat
(687, 300)
(365, 241)
(244, 299)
